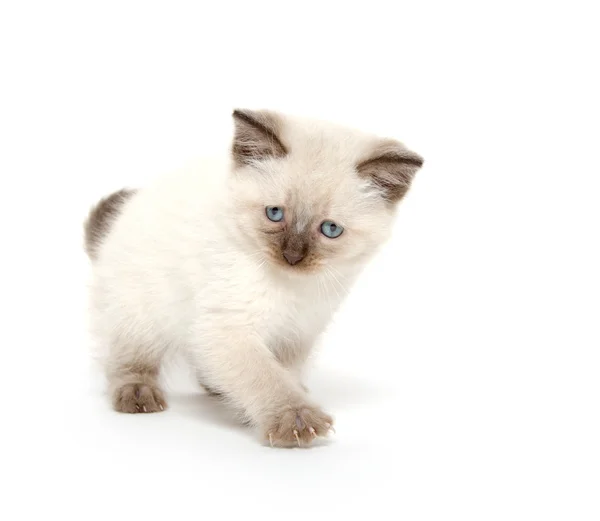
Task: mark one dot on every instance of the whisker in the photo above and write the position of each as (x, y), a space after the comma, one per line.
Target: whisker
(336, 280)
(333, 286)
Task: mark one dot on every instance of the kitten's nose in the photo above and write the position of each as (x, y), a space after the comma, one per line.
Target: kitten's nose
(293, 257)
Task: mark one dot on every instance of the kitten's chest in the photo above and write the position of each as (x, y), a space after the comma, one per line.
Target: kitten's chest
(292, 316)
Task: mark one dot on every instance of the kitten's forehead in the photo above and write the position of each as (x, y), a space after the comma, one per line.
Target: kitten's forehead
(303, 207)
(302, 223)
(320, 190)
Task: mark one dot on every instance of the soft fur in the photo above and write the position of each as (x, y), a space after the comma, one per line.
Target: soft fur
(192, 264)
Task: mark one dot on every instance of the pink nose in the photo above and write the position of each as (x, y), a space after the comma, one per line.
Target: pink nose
(293, 257)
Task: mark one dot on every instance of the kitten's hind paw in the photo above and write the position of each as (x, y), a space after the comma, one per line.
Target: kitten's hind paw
(139, 398)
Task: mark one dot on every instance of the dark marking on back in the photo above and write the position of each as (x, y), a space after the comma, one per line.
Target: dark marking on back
(101, 217)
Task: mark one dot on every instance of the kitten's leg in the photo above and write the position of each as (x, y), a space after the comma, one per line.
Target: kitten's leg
(133, 382)
(246, 372)
(209, 390)
(298, 373)
(294, 356)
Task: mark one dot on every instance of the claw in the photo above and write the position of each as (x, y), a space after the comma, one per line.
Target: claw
(313, 432)
(161, 407)
(271, 439)
(330, 427)
(297, 438)
(144, 408)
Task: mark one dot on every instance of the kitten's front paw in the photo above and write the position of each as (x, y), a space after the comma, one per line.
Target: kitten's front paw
(297, 426)
(139, 397)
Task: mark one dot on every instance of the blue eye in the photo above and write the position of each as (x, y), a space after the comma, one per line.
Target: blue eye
(331, 230)
(274, 213)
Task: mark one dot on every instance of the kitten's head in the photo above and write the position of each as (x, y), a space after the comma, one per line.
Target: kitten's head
(311, 195)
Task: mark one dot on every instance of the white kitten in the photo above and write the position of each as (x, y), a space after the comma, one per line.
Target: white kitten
(236, 264)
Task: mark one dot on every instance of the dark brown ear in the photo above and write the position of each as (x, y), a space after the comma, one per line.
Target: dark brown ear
(391, 167)
(256, 137)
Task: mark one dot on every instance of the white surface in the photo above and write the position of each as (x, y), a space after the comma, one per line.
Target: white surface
(463, 372)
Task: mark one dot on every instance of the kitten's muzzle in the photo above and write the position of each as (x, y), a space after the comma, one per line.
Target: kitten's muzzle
(295, 246)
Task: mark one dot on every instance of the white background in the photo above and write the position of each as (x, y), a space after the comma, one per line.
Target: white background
(464, 370)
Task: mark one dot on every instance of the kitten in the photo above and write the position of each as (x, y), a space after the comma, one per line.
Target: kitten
(236, 264)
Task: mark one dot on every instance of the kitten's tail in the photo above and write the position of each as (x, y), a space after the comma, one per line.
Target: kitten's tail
(101, 217)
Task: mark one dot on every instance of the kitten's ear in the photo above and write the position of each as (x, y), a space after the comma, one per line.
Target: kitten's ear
(391, 167)
(256, 136)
